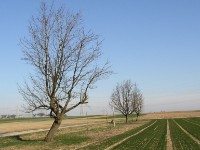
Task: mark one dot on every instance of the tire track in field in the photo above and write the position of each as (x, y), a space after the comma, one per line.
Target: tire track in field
(150, 140)
(192, 137)
(169, 140)
(83, 146)
(110, 147)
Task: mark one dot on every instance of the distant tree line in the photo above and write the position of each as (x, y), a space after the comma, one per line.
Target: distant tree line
(13, 116)
(8, 116)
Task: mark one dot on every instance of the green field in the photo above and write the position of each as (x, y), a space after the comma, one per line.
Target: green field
(190, 127)
(193, 120)
(181, 140)
(184, 134)
(153, 137)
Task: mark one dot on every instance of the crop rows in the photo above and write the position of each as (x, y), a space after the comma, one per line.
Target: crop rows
(194, 120)
(190, 127)
(153, 137)
(180, 140)
(110, 141)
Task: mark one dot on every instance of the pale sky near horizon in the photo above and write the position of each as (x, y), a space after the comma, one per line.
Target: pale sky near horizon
(153, 43)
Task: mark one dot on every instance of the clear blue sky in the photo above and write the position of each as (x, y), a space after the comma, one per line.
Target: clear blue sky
(154, 43)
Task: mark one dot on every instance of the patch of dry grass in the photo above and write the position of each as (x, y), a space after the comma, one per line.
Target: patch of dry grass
(70, 138)
(24, 126)
(170, 115)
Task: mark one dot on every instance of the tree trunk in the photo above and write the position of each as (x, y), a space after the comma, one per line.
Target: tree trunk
(53, 129)
(137, 117)
(126, 119)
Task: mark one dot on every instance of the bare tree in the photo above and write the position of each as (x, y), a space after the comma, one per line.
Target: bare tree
(138, 100)
(65, 60)
(122, 98)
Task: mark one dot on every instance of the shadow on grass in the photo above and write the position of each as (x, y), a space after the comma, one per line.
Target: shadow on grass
(16, 141)
(28, 140)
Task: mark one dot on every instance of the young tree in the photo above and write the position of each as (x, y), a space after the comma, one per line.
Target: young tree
(65, 60)
(122, 98)
(137, 101)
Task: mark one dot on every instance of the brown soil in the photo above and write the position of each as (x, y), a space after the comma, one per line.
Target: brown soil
(169, 115)
(169, 140)
(24, 126)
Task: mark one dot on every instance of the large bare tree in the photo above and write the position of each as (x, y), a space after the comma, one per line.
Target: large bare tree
(65, 60)
(122, 98)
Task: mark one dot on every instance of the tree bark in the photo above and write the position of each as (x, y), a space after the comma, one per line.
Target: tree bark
(137, 117)
(52, 131)
(126, 119)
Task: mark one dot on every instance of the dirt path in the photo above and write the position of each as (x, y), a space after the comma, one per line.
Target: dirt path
(110, 147)
(40, 130)
(36, 125)
(193, 138)
(169, 140)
